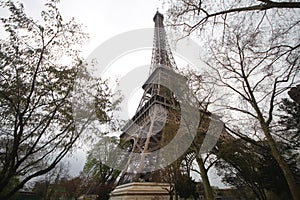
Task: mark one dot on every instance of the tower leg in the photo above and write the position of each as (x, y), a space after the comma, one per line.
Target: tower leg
(146, 146)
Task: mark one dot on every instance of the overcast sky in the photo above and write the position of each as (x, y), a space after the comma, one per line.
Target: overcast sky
(103, 18)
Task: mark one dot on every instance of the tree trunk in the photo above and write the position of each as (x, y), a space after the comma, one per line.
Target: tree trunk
(294, 189)
(176, 195)
(207, 188)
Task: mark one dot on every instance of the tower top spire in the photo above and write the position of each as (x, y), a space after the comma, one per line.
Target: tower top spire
(161, 53)
(158, 16)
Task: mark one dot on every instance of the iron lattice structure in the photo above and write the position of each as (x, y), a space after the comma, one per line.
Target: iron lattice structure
(146, 132)
(161, 52)
(159, 116)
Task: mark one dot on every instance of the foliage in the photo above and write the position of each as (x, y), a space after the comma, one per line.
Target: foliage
(294, 93)
(103, 177)
(185, 186)
(290, 123)
(50, 185)
(39, 64)
(251, 166)
(13, 182)
(62, 188)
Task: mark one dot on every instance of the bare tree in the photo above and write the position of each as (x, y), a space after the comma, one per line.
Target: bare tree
(258, 77)
(195, 14)
(254, 52)
(204, 96)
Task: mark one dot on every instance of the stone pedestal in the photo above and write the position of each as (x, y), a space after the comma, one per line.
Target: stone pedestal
(141, 191)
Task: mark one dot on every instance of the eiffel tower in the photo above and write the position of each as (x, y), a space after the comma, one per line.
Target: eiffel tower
(157, 119)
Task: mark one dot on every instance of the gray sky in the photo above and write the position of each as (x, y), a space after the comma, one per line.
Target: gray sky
(103, 18)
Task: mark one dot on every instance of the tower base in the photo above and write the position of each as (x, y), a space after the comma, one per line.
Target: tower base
(141, 191)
